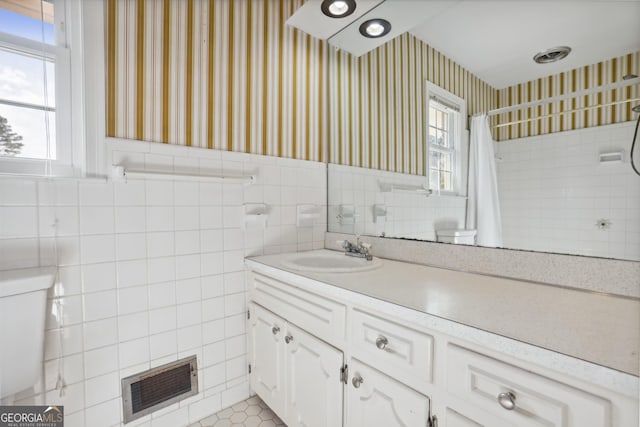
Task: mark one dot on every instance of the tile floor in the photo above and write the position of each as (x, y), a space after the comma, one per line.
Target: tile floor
(252, 412)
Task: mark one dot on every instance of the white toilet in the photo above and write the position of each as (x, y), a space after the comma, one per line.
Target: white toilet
(23, 299)
(457, 236)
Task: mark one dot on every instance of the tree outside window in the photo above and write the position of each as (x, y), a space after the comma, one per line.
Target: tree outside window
(10, 144)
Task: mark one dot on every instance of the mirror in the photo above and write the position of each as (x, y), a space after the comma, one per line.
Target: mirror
(564, 180)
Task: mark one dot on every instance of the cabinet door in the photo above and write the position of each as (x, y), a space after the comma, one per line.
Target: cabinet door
(266, 333)
(379, 400)
(313, 387)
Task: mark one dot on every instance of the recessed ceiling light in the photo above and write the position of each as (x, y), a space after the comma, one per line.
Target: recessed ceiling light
(552, 55)
(374, 28)
(338, 8)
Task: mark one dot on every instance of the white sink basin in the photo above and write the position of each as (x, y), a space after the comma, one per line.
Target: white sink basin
(329, 262)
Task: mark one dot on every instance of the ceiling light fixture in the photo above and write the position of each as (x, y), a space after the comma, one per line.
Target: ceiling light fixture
(552, 55)
(338, 8)
(375, 28)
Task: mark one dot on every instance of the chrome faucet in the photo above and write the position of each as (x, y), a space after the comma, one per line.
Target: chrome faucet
(358, 249)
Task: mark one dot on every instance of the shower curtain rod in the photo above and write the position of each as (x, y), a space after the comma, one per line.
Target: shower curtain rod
(612, 86)
(575, 110)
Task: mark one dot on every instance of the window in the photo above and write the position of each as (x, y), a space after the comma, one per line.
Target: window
(35, 93)
(444, 130)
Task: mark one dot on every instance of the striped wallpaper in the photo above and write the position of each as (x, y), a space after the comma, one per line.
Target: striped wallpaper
(223, 74)
(377, 100)
(545, 121)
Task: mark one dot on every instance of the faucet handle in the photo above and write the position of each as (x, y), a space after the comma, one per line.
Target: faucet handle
(345, 244)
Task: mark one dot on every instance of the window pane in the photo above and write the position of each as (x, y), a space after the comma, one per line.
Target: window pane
(434, 160)
(446, 139)
(432, 135)
(32, 20)
(445, 121)
(442, 138)
(440, 115)
(23, 133)
(441, 161)
(446, 163)
(446, 181)
(434, 180)
(22, 79)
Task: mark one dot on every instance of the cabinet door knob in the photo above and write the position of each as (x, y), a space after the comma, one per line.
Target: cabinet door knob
(382, 342)
(288, 339)
(507, 400)
(275, 330)
(357, 380)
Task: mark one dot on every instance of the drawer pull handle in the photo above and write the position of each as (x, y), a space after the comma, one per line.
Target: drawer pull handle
(288, 339)
(382, 342)
(275, 330)
(507, 400)
(357, 380)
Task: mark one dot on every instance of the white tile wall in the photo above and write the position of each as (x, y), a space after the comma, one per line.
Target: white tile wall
(409, 215)
(553, 190)
(152, 271)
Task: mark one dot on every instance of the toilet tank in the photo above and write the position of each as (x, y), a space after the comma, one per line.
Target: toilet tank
(23, 299)
(458, 236)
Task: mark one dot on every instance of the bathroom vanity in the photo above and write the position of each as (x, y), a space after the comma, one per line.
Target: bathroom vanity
(406, 344)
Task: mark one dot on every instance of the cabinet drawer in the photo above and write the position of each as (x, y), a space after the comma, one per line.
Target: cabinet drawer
(392, 347)
(320, 316)
(535, 400)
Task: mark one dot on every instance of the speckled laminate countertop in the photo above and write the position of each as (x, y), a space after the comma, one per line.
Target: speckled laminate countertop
(595, 327)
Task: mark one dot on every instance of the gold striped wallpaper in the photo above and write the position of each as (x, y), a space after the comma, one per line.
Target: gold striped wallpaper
(376, 114)
(573, 114)
(223, 74)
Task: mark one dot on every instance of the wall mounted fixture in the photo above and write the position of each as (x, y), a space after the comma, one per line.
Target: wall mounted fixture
(375, 28)
(347, 214)
(338, 8)
(379, 213)
(387, 187)
(612, 157)
(255, 214)
(121, 173)
(306, 215)
(552, 55)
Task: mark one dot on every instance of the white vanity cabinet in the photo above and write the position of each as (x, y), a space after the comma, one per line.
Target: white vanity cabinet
(375, 399)
(266, 344)
(313, 386)
(520, 397)
(391, 346)
(407, 368)
(295, 373)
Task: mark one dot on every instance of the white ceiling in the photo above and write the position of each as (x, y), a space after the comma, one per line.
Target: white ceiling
(496, 40)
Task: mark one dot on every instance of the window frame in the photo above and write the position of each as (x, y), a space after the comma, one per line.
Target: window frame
(79, 64)
(446, 100)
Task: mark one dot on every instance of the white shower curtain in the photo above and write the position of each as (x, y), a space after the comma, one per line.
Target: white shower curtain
(483, 206)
